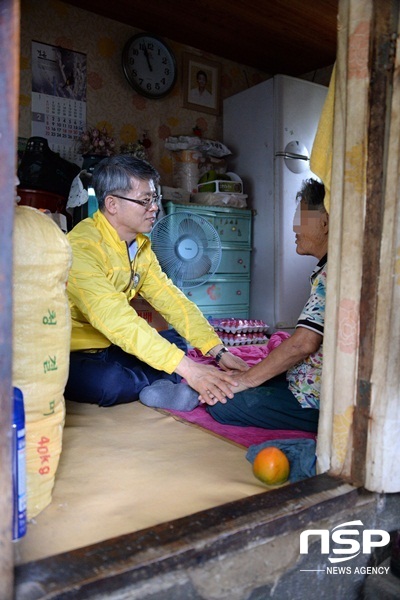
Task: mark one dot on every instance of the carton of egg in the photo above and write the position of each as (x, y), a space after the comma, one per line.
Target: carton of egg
(237, 332)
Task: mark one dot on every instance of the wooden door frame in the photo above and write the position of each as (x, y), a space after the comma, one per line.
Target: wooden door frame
(9, 89)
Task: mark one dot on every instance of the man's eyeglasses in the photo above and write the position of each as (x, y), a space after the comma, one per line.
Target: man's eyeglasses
(155, 199)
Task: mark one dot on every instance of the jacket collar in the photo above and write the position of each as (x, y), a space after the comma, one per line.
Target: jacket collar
(110, 234)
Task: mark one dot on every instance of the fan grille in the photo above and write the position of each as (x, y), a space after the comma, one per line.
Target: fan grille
(188, 248)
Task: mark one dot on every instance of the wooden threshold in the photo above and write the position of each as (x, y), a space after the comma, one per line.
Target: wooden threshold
(130, 559)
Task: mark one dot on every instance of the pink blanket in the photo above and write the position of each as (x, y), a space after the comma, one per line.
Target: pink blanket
(244, 436)
(251, 354)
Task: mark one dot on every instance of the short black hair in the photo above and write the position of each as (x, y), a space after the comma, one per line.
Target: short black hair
(312, 193)
(114, 174)
(201, 73)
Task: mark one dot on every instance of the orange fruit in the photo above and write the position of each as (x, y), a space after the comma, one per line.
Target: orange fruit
(271, 466)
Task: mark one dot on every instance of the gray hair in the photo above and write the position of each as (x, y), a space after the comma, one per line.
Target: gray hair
(113, 174)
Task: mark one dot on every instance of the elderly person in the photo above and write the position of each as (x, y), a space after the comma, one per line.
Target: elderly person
(116, 356)
(283, 390)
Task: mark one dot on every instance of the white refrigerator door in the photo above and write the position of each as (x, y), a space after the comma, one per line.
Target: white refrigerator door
(259, 123)
(248, 133)
(298, 106)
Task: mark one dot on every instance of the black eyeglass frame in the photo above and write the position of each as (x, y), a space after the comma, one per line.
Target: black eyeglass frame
(156, 199)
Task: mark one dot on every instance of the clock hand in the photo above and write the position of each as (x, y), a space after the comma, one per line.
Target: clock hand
(147, 58)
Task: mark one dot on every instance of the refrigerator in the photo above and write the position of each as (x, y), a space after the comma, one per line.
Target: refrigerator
(270, 129)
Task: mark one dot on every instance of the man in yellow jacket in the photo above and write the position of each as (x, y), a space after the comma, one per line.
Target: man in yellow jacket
(116, 356)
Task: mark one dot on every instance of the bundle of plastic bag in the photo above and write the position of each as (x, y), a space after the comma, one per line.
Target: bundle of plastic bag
(187, 142)
(220, 199)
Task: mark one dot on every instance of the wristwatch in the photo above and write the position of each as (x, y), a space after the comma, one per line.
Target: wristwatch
(218, 357)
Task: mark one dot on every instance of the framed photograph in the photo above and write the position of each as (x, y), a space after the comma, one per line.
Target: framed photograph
(201, 84)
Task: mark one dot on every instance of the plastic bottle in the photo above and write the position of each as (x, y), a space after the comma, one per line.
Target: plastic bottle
(18, 465)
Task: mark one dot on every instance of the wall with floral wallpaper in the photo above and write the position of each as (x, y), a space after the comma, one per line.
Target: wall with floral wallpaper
(111, 102)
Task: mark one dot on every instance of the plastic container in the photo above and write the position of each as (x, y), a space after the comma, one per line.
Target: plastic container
(18, 466)
(219, 185)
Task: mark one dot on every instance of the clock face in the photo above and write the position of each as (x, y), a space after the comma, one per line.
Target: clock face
(149, 65)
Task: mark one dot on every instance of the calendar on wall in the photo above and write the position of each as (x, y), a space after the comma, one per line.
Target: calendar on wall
(59, 98)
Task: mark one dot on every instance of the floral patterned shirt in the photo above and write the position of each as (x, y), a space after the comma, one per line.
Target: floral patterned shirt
(304, 378)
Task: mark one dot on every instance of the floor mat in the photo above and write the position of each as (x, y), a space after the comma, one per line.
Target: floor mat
(126, 468)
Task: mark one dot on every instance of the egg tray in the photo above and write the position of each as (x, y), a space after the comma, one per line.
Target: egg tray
(242, 339)
(232, 325)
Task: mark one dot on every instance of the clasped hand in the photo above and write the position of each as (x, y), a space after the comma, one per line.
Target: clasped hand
(236, 368)
(212, 384)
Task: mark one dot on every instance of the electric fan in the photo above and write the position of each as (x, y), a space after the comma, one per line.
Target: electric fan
(188, 248)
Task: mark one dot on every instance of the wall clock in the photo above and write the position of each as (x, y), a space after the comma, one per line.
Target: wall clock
(149, 65)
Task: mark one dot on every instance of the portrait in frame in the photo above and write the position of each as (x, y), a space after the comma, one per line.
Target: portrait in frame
(201, 84)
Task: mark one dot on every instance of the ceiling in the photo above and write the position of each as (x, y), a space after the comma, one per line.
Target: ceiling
(291, 37)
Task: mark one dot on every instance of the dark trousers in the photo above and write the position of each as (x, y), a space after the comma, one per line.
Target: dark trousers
(271, 406)
(112, 376)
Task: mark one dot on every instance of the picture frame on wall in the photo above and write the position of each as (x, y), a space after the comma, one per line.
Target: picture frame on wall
(201, 84)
